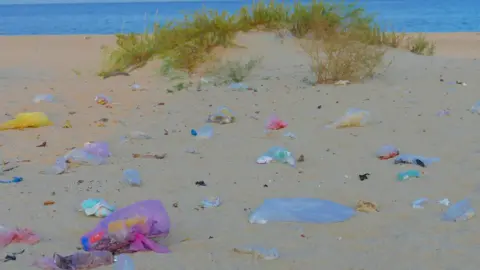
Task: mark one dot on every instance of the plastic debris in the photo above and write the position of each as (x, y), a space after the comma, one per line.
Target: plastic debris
(27, 120)
(222, 116)
(414, 159)
(60, 167)
(277, 154)
(132, 177)
(103, 100)
(342, 82)
(460, 211)
(123, 262)
(17, 235)
(444, 112)
(387, 152)
(238, 86)
(475, 108)
(78, 260)
(405, 175)
(419, 203)
(259, 252)
(43, 98)
(130, 229)
(205, 132)
(97, 207)
(274, 123)
(290, 135)
(366, 207)
(211, 202)
(308, 210)
(83, 157)
(100, 149)
(15, 179)
(444, 201)
(352, 118)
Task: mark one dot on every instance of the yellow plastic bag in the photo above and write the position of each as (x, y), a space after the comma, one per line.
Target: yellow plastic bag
(352, 118)
(27, 120)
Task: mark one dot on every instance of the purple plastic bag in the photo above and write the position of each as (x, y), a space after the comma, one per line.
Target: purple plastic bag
(155, 223)
(97, 148)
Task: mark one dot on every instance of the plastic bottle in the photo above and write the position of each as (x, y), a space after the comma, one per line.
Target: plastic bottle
(205, 132)
(402, 176)
(123, 262)
(132, 177)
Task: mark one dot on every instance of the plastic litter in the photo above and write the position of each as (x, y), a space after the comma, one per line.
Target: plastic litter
(475, 108)
(238, 86)
(76, 261)
(222, 116)
(278, 154)
(366, 207)
(444, 201)
(205, 132)
(123, 262)
(259, 252)
(130, 229)
(308, 210)
(274, 123)
(290, 135)
(387, 152)
(459, 211)
(414, 159)
(211, 202)
(15, 179)
(83, 157)
(100, 149)
(444, 112)
(419, 203)
(97, 207)
(132, 177)
(352, 118)
(139, 135)
(27, 120)
(103, 100)
(43, 98)
(405, 175)
(17, 235)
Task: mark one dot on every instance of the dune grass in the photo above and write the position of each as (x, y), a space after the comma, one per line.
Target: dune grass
(419, 44)
(189, 43)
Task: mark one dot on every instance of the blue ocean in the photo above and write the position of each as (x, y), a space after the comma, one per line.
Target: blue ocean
(103, 18)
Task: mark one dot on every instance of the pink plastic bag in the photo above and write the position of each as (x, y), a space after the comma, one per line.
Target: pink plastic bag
(17, 235)
(130, 229)
(274, 123)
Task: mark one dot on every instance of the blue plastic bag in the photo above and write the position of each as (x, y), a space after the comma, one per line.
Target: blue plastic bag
(460, 211)
(414, 159)
(306, 210)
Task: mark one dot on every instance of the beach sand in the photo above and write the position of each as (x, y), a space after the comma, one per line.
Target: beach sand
(403, 102)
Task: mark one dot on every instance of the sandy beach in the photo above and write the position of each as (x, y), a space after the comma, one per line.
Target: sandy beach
(403, 100)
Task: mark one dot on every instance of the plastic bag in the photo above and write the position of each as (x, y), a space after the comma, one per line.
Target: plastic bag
(274, 123)
(460, 211)
(259, 252)
(387, 152)
(27, 120)
(17, 235)
(414, 159)
(97, 148)
(130, 229)
(352, 118)
(205, 132)
(124, 262)
(309, 210)
(43, 98)
(76, 261)
(83, 157)
(97, 207)
(278, 154)
(222, 116)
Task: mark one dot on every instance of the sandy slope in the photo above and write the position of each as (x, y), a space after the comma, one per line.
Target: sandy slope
(403, 101)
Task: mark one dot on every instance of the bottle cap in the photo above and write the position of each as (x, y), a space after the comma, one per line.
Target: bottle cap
(85, 243)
